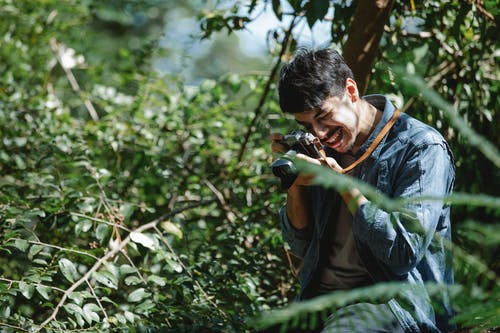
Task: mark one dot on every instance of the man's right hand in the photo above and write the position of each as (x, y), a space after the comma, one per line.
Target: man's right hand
(303, 179)
(276, 143)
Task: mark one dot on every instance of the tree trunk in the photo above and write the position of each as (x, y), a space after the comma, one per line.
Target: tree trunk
(365, 32)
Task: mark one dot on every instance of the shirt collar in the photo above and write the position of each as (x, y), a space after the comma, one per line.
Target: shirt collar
(381, 102)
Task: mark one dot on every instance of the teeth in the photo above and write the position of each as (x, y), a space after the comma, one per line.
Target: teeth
(335, 136)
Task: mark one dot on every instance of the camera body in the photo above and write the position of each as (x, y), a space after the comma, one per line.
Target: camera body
(295, 143)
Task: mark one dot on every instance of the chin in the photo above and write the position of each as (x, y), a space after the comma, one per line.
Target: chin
(343, 148)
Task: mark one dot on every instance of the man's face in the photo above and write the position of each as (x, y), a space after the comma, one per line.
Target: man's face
(336, 123)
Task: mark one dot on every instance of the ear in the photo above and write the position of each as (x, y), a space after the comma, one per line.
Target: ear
(352, 90)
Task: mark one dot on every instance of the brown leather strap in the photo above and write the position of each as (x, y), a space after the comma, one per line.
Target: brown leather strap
(368, 151)
(371, 148)
(374, 144)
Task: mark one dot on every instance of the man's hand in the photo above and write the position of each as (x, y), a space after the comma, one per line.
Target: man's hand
(276, 145)
(302, 179)
(306, 179)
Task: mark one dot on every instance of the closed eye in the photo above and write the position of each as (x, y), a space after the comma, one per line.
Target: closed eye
(322, 115)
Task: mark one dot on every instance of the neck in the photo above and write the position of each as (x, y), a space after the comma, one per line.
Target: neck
(369, 116)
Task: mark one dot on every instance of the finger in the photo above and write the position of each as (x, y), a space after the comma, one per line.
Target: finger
(277, 137)
(308, 159)
(334, 164)
(277, 147)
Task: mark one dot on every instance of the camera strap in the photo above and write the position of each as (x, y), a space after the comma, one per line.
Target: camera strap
(296, 268)
(370, 149)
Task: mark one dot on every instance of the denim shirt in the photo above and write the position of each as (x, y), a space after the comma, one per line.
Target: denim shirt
(413, 160)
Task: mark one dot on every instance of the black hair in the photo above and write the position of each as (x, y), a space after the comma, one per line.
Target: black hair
(310, 78)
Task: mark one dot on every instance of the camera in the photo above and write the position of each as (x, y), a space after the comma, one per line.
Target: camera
(295, 142)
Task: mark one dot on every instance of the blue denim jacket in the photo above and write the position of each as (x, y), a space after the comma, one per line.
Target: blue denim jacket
(413, 160)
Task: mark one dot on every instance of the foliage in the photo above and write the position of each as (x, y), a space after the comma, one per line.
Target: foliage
(140, 217)
(133, 202)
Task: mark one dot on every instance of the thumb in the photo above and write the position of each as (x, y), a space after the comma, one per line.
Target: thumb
(333, 164)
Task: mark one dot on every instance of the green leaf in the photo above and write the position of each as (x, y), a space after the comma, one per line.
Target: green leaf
(174, 265)
(132, 280)
(26, 289)
(76, 311)
(278, 11)
(295, 5)
(143, 239)
(68, 269)
(171, 228)
(127, 269)
(145, 306)
(130, 316)
(127, 210)
(41, 262)
(73, 308)
(21, 244)
(5, 311)
(44, 291)
(121, 318)
(90, 313)
(316, 10)
(77, 297)
(102, 232)
(138, 295)
(83, 226)
(106, 278)
(157, 280)
(34, 250)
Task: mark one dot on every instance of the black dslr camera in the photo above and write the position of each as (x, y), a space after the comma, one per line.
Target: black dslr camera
(295, 142)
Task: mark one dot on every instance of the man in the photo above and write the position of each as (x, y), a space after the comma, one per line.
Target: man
(345, 240)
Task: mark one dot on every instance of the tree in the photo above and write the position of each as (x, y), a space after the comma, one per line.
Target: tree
(365, 32)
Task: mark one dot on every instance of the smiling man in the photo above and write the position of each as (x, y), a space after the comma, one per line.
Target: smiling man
(344, 240)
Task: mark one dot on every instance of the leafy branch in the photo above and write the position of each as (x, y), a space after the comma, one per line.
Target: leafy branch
(475, 139)
(306, 312)
(108, 256)
(56, 48)
(331, 179)
(60, 248)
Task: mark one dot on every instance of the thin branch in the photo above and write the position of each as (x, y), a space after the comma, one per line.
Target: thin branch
(72, 80)
(96, 219)
(15, 327)
(38, 284)
(56, 247)
(221, 201)
(96, 298)
(110, 255)
(112, 213)
(124, 253)
(259, 108)
(207, 297)
(443, 69)
(483, 11)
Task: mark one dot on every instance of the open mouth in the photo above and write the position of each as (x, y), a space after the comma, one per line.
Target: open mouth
(335, 138)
